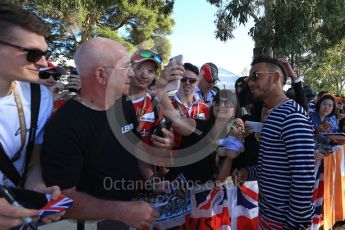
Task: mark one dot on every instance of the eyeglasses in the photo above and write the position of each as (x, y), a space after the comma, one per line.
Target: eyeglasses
(148, 72)
(190, 80)
(46, 74)
(225, 103)
(254, 76)
(33, 55)
(146, 54)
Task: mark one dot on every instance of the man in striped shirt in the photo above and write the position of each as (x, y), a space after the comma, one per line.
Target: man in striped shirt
(285, 170)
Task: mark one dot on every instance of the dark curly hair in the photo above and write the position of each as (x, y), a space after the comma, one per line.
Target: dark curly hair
(272, 62)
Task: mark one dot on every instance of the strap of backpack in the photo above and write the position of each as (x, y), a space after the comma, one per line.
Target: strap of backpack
(7, 167)
(35, 108)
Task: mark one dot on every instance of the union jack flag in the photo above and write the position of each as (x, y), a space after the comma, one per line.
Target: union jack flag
(56, 206)
(244, 206)
(52, 207)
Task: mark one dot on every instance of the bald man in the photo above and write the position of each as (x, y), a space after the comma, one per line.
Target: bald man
(81, 152)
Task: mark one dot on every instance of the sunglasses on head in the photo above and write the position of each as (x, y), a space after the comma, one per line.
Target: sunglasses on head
(46, 74)
(147, 54)
(254, 76)
(33, 55)
(190, 80)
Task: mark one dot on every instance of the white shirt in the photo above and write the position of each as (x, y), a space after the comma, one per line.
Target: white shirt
(10, 126)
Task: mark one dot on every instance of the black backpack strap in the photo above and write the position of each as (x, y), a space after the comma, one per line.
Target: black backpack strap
(155, 105)
(7, 167)
(35, 108)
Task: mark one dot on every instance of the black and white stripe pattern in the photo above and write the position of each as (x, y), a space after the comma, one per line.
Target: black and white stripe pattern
(285, 171)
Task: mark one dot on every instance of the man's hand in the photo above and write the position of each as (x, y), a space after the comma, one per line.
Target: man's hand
(290, 72)
(12, 216)
(170, 72)
(239, 176)
(55, 192)
(58, 91)
(74, 82)
(166, 142)
(138, 214)
(339, 140)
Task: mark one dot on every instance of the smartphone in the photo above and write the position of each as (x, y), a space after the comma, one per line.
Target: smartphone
(175, 84)
(72, 90)
(28, 198)
(165, 124)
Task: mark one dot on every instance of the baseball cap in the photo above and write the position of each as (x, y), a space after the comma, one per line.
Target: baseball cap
(146, 55)
(54, 68)
(210, 71)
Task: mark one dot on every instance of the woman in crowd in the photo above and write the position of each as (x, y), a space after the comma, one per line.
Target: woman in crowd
(323, 118)
(200, 134)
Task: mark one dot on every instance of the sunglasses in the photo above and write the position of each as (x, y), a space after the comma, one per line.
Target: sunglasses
(147, 54)
(190, 80)
(254, 76)
(33, 55)
(45, 75)
(225, 103)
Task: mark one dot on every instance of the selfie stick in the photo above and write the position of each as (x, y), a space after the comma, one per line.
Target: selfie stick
(10, 199)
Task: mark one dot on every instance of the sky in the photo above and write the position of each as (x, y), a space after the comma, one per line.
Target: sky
(194, 36)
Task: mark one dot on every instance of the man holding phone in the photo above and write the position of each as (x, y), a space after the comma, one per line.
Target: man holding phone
(145, 65)
(186, 102)
(208, 78)
(51, 77)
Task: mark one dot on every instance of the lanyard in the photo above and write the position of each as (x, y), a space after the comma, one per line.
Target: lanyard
(21, 121)
(141, 111)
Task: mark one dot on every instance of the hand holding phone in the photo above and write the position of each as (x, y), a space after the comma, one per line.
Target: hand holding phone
(175, 84)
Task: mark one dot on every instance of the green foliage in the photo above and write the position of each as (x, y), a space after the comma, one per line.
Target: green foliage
(328, 71)
(301, 30)
(131, 22)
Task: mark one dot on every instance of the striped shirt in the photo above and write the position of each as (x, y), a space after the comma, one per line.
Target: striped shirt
(285, 170)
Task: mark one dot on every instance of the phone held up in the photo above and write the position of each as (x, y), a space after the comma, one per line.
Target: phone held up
(166, 123)
(175, 84)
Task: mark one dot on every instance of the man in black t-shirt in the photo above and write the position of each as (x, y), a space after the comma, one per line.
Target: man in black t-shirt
(82, 149)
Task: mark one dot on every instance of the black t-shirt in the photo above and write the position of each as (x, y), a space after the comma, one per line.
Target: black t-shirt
(204, 169)
(81, 150)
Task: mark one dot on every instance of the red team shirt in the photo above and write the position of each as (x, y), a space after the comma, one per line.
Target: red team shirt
(198, 110)
(146, 117)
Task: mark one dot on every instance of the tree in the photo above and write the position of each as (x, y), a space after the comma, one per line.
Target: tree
(328, 71)
(288, 28)
(132, 22)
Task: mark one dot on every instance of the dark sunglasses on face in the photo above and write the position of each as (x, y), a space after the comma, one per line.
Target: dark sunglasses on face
(254, 76)
(45, 75)
(190, 80)
(33, 55)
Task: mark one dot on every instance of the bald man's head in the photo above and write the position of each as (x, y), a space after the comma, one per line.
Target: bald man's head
(98, 52)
